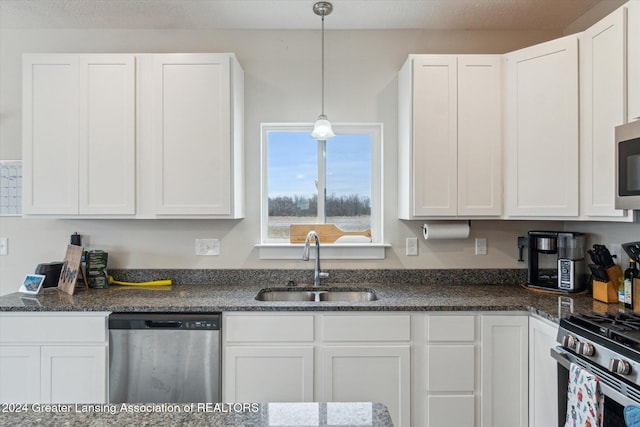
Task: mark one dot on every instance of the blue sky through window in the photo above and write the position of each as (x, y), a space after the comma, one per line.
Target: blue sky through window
(292, 165)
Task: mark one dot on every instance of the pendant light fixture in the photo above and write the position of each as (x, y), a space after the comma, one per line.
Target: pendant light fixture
(322, 129)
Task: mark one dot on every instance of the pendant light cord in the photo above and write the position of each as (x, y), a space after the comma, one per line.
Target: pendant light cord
(322, 97)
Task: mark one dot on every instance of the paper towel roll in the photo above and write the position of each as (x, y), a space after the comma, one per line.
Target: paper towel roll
(445, 230)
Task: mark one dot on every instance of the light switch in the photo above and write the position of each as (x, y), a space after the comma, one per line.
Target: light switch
(481, 245)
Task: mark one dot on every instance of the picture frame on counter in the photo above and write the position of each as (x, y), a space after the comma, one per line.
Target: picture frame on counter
(32, 284)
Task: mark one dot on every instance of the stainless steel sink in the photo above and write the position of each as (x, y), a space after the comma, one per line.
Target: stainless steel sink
(285, 295)
(349, 296)
(316, 295)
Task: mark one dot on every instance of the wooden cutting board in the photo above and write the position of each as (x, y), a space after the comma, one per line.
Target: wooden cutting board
(328, 233)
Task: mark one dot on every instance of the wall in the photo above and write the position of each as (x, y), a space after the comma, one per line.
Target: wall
(282, 85)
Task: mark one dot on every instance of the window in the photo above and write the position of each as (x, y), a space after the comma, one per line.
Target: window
(337, 181)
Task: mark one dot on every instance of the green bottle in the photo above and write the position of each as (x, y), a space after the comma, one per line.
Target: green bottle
(629, 274)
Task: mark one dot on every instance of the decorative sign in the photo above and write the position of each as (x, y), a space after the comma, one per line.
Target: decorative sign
(70, 269)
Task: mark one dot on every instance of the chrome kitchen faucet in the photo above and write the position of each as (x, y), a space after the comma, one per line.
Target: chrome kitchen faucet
(317, 274)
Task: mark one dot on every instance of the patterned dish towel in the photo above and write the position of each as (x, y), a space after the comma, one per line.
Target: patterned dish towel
(585, 401)
(632, 416)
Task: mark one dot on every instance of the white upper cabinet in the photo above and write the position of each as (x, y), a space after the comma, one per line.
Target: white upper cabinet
(541, 130)
(107, 148)
(138, 136)
(79, 134)
(633, 59)
(196, 146)
(479, 135)
(602, 108)
(450, 136)
(50, 126)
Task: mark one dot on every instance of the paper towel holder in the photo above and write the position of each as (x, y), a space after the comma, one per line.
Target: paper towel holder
(446, 230)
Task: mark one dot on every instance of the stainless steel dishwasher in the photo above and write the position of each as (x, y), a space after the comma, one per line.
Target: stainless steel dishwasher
(171, 357)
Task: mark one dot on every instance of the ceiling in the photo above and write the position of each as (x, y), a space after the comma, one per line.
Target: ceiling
(297, 14)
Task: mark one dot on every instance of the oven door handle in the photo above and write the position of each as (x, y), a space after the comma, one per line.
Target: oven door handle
(561, 357)
(565, 359)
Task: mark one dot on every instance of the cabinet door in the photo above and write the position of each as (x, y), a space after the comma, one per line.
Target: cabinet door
(633, 59)
(192, 134)
(504, 370)
(541, 130)
(480, 135)
(368, 374)
(543, 374)
(19, 374)
(76, 374)
(602, 101)
(50, 134)
(268, 374)
(435, 135)
(107, 134)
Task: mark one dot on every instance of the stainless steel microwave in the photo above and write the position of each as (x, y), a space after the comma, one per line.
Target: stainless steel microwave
(628, 166)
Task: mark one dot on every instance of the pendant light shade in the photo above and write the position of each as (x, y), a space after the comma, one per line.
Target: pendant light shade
(322, 129)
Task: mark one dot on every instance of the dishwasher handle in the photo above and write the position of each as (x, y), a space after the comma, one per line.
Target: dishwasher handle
(166, 321)
(163, 324)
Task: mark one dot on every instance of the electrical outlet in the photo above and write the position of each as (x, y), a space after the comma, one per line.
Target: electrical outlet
(4, 246)
(207, 247)
(412, 246)
(481, 245)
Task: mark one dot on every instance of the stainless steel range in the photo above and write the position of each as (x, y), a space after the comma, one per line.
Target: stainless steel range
(608, 346)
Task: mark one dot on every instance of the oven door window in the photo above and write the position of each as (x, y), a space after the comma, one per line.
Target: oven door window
(629, 167)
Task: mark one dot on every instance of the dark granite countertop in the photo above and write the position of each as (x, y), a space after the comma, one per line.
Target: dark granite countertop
(226, 298)
(174, 415)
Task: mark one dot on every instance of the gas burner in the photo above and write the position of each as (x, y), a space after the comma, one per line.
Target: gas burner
(619, 321)
(622, 328)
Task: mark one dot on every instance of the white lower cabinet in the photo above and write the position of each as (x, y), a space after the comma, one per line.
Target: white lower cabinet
(360, 357)
(19, 373)
(504, 355)
(73, 373)
(284, 373)
(543, 371)
(367, 357)
(433, 370)
(268, 357)
(445, 371)
(369, 373)
(469, 370)
(53, 357)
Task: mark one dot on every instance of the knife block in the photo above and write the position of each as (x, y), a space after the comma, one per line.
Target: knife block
(636, 295)
(615, 275)
(607, 292)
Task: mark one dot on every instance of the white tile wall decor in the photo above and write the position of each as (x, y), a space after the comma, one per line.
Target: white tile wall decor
(10, 187)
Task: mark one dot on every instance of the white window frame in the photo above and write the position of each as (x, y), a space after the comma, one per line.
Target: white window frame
(285, 250)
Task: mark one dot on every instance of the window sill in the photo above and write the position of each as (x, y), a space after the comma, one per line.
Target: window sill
(327, 251)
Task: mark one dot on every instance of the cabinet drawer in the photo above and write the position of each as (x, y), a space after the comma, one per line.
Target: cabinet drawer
(451, 368)
(451, 328)
(268, 328)
(451, 411)
(366, 327)
(60, 327)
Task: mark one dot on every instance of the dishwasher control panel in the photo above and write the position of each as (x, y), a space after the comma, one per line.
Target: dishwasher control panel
(202, 324)
(166, 321)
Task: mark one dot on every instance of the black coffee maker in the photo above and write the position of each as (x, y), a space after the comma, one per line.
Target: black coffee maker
(556, 260)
